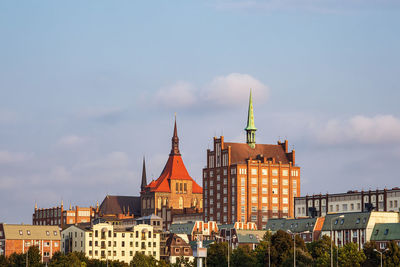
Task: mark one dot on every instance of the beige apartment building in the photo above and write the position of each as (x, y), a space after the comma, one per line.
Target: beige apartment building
(111, 242)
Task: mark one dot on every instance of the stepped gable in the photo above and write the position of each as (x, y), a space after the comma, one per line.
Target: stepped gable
(174, 170)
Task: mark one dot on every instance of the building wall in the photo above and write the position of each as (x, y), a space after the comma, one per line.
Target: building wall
(47, 248)
(352, 201)
(254, 191)
(115, 243)
(61, 217)
(380, 217)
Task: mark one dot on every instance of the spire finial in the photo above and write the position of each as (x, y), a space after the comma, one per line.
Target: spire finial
(144, 177)
(175, 141)
(251, 128)
(35, 205)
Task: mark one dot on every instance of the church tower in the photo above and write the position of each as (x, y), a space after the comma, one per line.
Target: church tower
(251, 128)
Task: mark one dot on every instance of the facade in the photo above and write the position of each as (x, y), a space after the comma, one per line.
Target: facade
(385, 233)
(105, 241)
(355, 227)
(178, 246)
(153, 220)
(197, 229)
(248, 181)
(247, 238)
(120, 207)
(174, 192)
(62, 217)
(19, 237)
(352, 201)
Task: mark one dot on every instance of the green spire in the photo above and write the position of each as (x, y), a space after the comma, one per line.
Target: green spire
(251, 128)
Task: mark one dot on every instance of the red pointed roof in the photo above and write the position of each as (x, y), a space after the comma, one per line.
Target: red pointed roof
(174, 170)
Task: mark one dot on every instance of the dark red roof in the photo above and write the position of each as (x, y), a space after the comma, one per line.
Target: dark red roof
(242, 151)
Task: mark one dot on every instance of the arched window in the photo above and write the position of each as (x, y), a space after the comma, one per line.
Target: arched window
(144, 203)
(159, 203)
(181, 202)
(201, 203)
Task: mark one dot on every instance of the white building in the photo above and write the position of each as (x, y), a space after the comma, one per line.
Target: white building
(110, 242)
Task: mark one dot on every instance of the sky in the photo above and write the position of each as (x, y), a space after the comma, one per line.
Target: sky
(89, 88)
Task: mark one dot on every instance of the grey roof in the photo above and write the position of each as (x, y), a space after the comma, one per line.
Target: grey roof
(354, 220)
(226, 226)
(386, 232)
(149, 217)
(294, 225)
(250, 236)
(182, 228)
(206, 244)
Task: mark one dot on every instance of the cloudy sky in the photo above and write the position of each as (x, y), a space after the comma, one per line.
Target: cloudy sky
(87, 88)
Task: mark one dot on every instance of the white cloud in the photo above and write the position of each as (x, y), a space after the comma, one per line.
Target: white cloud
(227, 90)
(71, 140)
(7, 157)
(361, 129)
(180, 94)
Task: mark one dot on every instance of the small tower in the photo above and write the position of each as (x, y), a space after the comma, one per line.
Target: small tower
(144, 178)
(251, 128)
(175, 142)
(35, 206)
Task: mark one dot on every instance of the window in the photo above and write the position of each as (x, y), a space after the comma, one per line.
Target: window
(264, 200)
(242, 191)
(264, 208)
(253, 199)
(264, 171)
(264, 181)
(253, 209)
(254, 190)
(294, 183)
(344, 206)
(47, 232)
(274, 181)
(254, 171)
(253, 218)
(28, 232)
(264, 190)
(275, 191)
(285, 172)
(275, 172)
(253, 180)
(275, 200)
(242, 209)
(20, 232)
(285, 200)
(285, 181)
(285, 191)
(243, 181)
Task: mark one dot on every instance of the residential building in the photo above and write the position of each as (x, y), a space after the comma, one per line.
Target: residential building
(351, 201)
(111, 242)
(247, 238)
(178, 246)
(62, 217)
(308, 228)
(174, 192)
(194, 230)
(384, 233)
(152, 220)
(19, 238)
(229, 231)
(249, 182)
(356, 227)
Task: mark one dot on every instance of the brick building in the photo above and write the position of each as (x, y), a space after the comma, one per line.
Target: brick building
(248, 181)
(19, 237)
(62, 217)
(174, 192)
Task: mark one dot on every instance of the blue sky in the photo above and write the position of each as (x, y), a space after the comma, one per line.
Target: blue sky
(89, 87)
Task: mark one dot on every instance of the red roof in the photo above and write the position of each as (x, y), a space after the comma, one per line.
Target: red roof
(174, 170)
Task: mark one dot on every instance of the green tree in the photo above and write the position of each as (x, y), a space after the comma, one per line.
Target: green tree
(217, 255)
(141, 260)
(320, 251)
(3, 261)
(372, 257)
(72, 259)
(34, 257)
(183, 262)
(392, 255)
(261, 253)
(17, 260)
(303, 258)
(243, 256)
(349, 255)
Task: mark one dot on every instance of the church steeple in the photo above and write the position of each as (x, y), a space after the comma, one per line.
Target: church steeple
(251, 128)
(175, 142)
(144, 177)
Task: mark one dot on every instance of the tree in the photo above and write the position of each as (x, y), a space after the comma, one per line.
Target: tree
(3, 261)
(320, 251)
(372, 257)
(392, 255)
(34, 257)
(349, 255)
(73, 259)
(17, 260)
(141, 260)
(242, 256)
(303, 258)
(183, 262)
(217, 254)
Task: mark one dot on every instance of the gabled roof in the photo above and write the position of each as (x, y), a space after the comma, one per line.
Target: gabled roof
(182, 228)
(353, 220)
(31, 232)
(386, 232)
(242, 151)
(174, 170)
(294, 225)
(120, 205)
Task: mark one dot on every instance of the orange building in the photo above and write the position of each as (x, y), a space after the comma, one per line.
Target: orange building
(19, 237)
(174, 192)
(248, 181)
(62, 217)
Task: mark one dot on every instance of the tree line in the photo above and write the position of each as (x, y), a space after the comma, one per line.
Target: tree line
(276, 249)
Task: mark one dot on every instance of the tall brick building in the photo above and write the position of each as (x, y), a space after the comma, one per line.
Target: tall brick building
(249, 181)
(174, 193)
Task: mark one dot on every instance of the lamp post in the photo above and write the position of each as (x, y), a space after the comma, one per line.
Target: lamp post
(269, 248)
(294, 244)
(337, 217)
(381, 253)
